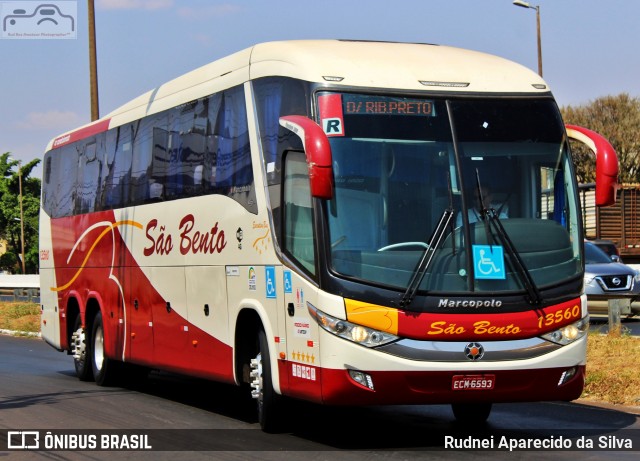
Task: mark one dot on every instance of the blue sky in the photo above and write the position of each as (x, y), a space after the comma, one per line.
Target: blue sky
(590, 48)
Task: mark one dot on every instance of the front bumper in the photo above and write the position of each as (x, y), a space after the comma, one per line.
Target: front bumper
(413, 388)
(412, 375)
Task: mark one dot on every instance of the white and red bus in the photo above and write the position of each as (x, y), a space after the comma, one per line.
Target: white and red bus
(299, 218)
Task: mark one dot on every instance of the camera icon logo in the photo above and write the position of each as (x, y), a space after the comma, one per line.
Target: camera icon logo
(45, 20)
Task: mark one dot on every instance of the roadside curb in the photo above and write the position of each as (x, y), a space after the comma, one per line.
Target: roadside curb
(20, 333)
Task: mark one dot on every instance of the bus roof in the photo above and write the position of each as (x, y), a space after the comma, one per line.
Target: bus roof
(403, 66)
(392, 65)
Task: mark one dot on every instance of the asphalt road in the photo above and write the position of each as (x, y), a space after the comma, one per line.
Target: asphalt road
(194, 419)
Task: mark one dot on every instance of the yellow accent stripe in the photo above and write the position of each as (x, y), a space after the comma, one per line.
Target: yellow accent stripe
(86, 258)
(371, 315)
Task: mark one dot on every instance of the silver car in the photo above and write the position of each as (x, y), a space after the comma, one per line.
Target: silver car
(605, 279)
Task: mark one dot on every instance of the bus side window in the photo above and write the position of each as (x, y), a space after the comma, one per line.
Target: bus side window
(88, 186)
(298, 212)
(141, 160)
(552, 195)
(65, 192)
(159, 163)
(117, 183)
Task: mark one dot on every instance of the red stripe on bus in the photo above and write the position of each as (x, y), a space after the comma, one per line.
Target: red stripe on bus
(93, 129)
(488, 326)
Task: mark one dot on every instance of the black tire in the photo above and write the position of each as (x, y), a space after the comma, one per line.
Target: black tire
(105, 370)
(80, 347)
(471, 413)
(271, 410)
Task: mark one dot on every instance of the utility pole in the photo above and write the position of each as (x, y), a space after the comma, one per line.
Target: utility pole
(93, 65)
(21, 216)
(20, 198)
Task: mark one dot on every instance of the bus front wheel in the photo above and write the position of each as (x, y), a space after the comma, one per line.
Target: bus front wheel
(268, 401)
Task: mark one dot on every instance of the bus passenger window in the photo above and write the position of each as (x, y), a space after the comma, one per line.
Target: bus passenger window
(118, 179)
(88, 186)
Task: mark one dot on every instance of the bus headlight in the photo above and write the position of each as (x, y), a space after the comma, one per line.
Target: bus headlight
(358, 334)
(569, 333)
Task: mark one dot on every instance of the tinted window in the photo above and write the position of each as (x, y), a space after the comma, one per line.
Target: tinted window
(89, 184)
(58, 193)
(277, 97)
(201, 147)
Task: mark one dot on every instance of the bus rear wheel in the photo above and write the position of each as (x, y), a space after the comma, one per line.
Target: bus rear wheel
(104, 369)
(81, 351)
(468, 413)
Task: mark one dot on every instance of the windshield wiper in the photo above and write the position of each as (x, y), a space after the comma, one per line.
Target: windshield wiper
(427, 257)
(491, 215)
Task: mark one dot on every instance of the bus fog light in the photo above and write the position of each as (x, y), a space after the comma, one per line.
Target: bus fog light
(361, 378)
(567, 375)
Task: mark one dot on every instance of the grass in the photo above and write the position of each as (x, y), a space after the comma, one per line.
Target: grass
(613, 371)
(20, 316)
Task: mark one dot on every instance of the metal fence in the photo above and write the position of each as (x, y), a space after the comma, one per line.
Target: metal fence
(22, 288)
(30, 295)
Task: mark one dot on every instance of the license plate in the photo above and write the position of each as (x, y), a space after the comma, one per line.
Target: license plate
(473, 382)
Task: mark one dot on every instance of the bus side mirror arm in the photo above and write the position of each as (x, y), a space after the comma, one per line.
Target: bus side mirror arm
(318, 153)
(606, 163)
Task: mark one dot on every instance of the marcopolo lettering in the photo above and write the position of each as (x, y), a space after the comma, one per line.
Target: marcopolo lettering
(475, 303)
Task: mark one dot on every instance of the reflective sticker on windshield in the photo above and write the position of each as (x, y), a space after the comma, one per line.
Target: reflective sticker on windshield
(488, 262)
(331, 115)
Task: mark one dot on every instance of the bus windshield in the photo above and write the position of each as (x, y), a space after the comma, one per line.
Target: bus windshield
(497, 170)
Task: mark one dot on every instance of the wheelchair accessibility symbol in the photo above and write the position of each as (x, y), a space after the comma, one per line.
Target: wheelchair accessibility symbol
(488, 262)
(287, 282)
(270, 278)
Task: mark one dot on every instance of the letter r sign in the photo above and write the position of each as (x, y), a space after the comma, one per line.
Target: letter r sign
(331, 115)
(332, 126)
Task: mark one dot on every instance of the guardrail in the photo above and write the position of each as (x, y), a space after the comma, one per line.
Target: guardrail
(30, 295)
(24, 288)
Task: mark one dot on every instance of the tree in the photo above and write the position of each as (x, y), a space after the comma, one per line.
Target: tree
(10, 170)
(617, 118)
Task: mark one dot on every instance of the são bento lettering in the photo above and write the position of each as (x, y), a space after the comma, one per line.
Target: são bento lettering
(481, 327)
(189, 239)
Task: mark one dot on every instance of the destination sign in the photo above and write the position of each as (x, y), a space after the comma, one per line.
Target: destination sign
(381, 105)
